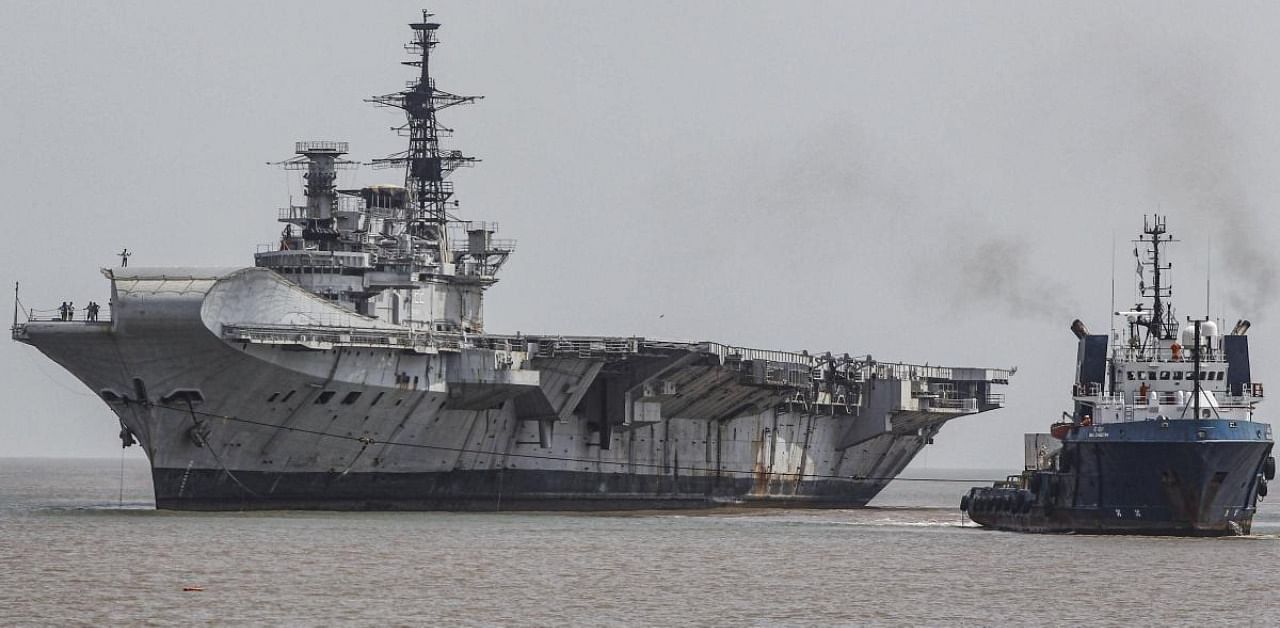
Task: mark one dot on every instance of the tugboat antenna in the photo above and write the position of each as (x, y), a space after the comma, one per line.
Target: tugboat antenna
(1208, 274)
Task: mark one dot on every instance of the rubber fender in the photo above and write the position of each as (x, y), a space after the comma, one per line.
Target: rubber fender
(1262, 487)
(1269, 468)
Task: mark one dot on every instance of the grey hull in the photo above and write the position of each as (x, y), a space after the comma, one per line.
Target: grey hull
(241, 400)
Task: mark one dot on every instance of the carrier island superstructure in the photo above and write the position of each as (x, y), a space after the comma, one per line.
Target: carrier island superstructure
(350, 368)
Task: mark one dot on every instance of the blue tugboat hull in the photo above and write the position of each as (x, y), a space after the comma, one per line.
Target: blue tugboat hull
(1180, 477)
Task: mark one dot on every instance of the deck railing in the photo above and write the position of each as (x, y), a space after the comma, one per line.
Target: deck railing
(80, 315)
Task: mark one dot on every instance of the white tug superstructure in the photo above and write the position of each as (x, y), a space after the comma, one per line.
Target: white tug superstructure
(1155, 372)
(351, 368)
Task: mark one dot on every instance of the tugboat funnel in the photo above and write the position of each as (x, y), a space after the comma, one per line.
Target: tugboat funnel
(1079, 329)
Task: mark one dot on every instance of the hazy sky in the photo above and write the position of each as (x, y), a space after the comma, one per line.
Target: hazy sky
(933, 182)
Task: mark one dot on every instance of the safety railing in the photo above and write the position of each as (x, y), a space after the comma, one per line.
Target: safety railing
(1153, 354)
(319, 145)
(78, 315)
(966, 404)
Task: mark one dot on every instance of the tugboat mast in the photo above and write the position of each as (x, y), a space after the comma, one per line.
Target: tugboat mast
(1162, 325)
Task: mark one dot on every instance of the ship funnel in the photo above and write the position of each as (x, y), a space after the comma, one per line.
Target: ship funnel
(1079, 329)
(1241, 328)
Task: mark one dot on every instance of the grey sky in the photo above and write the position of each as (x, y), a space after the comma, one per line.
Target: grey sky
(935, 182)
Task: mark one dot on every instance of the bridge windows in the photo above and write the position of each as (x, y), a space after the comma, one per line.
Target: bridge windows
(286, 397)
(351, 398)
(324, 397)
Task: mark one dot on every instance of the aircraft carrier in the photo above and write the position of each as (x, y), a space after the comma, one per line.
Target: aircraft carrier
(349, 368)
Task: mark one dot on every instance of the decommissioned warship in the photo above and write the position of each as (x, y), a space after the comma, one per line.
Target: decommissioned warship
(349, 368)
(1162, 440)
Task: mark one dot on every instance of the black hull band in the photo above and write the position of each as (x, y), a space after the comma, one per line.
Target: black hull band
(1097, 521)
(508, 489)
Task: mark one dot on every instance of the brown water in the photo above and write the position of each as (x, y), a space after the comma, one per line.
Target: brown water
(71, 553)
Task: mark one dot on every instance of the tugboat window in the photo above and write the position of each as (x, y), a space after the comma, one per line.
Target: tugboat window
(1130, 375)
(1164, 375)
(324, 397)
(351, 397)
(1177, 375)
(1142, 374)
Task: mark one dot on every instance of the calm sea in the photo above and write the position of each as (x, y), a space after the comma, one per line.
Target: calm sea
(77, 549)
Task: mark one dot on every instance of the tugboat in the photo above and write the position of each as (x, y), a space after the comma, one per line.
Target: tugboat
(1162, 439)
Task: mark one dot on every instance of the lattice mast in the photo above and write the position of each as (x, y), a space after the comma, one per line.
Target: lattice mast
(426, 165)
(1162, 324)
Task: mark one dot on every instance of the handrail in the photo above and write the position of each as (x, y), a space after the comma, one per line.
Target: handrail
(40, 315)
